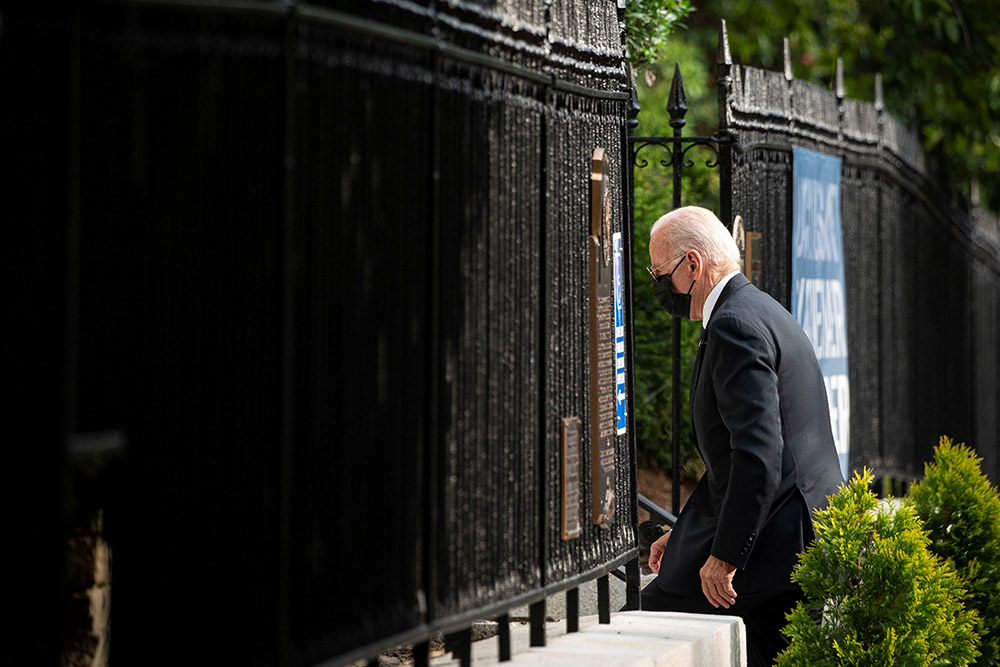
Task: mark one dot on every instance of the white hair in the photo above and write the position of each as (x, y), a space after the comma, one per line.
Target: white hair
(697, 228)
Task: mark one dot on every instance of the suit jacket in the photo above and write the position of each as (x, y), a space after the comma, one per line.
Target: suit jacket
(762, 425)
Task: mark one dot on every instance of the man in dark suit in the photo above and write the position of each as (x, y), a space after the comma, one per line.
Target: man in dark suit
(761, 421)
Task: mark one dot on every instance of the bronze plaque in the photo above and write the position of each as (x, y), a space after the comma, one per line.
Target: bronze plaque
(602, 347)
(570, 478)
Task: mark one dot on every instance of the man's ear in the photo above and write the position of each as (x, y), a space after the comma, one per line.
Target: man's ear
(697, 263)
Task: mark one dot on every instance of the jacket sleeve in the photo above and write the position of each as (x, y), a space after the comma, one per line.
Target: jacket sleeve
(744, 363)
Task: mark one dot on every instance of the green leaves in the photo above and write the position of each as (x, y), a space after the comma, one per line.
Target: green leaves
(647, 25)
(938, 60)
(960, 510)
(887, 599)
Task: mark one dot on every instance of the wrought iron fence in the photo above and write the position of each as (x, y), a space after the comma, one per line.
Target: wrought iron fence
(922, 267)
(327, 285)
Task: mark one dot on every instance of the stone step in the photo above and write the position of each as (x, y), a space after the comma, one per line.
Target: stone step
(633, 638)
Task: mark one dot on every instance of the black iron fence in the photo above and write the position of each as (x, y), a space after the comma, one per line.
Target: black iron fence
(922, 267)
(320, 271)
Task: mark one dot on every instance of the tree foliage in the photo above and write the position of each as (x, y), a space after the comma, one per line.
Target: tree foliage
(961, 512)
(939, 65)
(647, 25)
(939, 59)
(888, 600)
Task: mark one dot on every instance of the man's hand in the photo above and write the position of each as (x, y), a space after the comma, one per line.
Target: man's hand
(716, 581)
(656, 551)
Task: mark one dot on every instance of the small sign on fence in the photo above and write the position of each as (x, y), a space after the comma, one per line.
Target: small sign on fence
(570, 478)
(619, 335)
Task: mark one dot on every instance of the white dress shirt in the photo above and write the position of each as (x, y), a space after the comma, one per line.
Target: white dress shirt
(713, 298)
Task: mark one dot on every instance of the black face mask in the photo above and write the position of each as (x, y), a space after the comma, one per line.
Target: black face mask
(678, 305)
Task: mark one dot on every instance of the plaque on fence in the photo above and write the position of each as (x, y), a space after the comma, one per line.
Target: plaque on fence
(603, 403)
(570, 478)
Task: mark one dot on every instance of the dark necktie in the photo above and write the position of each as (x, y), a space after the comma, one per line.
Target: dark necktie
(702, 342)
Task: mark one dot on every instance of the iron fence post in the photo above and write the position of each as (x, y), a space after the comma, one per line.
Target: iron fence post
(287, 341)
(725, 83)
(677, 108)
(431, 458)
(632, 585)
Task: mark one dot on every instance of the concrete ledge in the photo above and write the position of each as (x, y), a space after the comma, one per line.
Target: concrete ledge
(646, 638)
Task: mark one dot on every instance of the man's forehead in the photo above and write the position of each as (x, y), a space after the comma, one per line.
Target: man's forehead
(658, 243)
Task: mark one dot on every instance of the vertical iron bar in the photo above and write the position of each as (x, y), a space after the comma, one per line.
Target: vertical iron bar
(633, 596)
(725, 83)
(789, 74)
(677, 107)
(628, 248)
(541, 346)
(421, 654)
(432, 447)
(603, 600)
(880, 285)
(503, 637)
(287, 347)
(464, 651)
(573, 610)
(73, 213)
(58, 467)
(536, 617)
(839, 92)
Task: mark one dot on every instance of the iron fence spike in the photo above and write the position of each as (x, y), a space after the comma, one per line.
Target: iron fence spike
(725, 56)
(677, 100)
(879, 101)
(839, 79)
(787, 53)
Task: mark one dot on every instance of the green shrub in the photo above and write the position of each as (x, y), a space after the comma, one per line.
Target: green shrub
(888, 600)
(961, 512)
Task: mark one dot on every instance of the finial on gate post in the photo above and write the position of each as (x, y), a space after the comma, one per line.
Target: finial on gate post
(838, 89)
(838, 85)
(725, 57)
(677, 104)
(789, 77)
(880, 110)
(787, 54)
(724, 78)
(633, 99)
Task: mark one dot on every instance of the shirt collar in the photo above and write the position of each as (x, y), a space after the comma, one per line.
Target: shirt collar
(713, 298)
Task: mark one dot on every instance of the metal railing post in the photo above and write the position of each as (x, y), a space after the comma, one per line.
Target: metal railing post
(677, 108)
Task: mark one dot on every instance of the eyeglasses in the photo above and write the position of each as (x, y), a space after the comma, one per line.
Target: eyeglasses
(652, 271)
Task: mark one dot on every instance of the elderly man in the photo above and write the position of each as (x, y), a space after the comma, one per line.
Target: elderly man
(762, 425)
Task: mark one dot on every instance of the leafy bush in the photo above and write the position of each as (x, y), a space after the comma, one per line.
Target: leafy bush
(961, 512)
(888, 600)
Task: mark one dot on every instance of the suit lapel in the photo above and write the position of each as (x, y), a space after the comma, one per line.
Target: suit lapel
(735, 283)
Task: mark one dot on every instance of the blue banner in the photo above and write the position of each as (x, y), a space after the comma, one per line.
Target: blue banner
(619, 333)
(818, 280)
